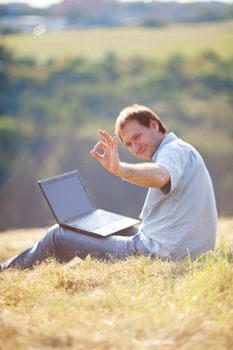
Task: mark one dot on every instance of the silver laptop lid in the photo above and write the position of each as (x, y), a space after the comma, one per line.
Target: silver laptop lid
(67, 196)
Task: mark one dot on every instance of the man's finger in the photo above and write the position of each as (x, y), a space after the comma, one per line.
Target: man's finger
(106, 136)
(115, 142)
(100, 145)
(96, 155)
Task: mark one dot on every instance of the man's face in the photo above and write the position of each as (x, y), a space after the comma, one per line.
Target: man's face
(141, 141)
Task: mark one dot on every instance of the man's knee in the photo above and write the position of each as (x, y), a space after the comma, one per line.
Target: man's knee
(56, 234)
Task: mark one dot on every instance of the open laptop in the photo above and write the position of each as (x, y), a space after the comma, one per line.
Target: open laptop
(74, 209)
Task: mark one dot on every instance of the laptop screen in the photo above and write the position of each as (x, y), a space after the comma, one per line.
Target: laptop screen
(67, 196)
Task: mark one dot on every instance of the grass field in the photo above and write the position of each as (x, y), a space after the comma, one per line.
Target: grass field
(158, 44)
(135, 304)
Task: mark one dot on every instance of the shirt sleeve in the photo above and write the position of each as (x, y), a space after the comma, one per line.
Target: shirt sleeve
(173, 159)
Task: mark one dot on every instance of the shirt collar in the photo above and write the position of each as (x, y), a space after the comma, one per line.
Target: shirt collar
(167, 139)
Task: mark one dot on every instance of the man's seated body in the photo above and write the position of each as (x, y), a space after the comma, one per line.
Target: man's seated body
(179, 216)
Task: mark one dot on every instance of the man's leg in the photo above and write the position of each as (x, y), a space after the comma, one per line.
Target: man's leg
(64, 245)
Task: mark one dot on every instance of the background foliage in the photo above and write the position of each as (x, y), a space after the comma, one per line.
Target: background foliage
(50, 111)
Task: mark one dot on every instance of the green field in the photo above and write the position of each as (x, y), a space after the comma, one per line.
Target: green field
(158, 44)
(137, 304)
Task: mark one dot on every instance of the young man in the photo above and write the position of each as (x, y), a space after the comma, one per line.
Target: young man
(179, 216)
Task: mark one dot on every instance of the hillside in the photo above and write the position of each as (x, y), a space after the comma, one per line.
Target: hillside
(135, 304)
(158, 44)
(111, 13)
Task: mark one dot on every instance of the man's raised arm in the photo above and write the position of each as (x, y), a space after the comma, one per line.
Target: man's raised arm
(143, 174)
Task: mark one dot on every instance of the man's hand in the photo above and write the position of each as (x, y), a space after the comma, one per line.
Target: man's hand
(142, 174)
(106, 152)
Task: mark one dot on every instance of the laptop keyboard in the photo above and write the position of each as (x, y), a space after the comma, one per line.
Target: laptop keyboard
(97, 218)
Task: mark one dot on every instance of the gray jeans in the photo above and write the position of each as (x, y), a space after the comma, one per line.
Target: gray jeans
(64, 245)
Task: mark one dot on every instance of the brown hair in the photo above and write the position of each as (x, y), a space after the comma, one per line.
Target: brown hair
(140, 113)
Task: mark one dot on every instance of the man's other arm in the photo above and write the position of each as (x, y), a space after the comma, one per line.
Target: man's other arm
(144, 174)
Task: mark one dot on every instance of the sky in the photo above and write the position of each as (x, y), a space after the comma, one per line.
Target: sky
(45, 3)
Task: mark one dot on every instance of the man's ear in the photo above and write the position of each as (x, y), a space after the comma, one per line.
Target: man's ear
(154, 125)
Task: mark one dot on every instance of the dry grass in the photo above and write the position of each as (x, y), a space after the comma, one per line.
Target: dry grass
(134, 304)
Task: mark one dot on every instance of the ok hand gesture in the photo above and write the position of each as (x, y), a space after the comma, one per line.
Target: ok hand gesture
(109, 157)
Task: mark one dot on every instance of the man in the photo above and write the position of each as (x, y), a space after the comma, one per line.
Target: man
(179, 216)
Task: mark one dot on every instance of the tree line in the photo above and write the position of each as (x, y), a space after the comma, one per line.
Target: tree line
(42, 104)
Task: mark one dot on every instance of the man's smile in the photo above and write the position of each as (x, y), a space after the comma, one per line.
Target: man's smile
(141, 151)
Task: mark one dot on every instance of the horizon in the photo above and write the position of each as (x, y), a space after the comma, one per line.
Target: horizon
(46, 3)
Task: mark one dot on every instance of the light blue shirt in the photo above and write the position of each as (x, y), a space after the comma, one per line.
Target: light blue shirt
(182, 222)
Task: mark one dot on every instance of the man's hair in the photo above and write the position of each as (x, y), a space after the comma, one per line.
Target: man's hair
(140, 113)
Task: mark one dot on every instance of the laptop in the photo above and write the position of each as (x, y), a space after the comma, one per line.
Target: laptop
(74, 209)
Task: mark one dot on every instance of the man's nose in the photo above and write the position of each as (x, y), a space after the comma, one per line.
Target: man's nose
(135, 147)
